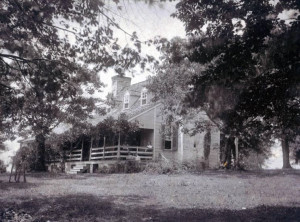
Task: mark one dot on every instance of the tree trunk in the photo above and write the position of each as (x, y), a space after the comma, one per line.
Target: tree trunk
(63, 161)
(236, 143)
(228, 150)
(40, 139)
(285, 152)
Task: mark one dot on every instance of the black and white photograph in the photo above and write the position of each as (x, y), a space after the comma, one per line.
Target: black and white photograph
(149, 110)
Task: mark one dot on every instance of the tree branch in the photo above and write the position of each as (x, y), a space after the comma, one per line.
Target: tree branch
(7, 86)
(67, 30)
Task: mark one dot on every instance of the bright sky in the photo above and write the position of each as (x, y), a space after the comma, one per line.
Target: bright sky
(148, 21)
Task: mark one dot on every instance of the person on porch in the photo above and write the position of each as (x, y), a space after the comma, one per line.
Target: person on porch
(149, 146)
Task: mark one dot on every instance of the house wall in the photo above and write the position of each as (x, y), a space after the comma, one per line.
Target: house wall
(157, 139)
(193, 148)
(146, 120)
(160, 152)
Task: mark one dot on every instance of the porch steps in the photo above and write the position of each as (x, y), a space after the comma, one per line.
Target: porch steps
(78, 168)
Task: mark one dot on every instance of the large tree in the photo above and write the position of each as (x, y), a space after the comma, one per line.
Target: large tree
(248, 49)
(50, 55)
(249, 76)
(173, 87)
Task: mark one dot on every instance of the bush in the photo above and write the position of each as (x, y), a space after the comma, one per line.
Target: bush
(121, 167)
(251, 161)
(2, 167)
(189, 166)
(163, 167)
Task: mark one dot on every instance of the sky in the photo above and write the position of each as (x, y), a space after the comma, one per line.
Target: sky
(275, 159)
(148, 21)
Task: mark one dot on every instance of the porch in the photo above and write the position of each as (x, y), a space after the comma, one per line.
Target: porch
(76, 163)
(88, 152)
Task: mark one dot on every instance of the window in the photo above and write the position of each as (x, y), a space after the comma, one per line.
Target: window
(167, 137)
(168, 144)
(144, 97)
(126, 100)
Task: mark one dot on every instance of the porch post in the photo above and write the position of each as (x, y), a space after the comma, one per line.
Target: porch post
(82, 149)
(154, 135)
(104, 139)
(119, 141)
(91, 148)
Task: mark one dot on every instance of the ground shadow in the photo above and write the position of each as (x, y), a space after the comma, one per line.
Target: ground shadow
(93, 208)
(245, 174)
(5, 185)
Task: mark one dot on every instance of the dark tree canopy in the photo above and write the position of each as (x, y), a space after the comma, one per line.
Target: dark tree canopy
(249, 59)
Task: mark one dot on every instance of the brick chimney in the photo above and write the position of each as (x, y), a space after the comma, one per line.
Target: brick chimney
(119, 83)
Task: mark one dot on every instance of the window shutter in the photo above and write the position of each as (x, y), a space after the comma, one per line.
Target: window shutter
(175, 138)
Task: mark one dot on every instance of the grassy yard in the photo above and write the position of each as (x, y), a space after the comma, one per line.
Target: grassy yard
(209, 196)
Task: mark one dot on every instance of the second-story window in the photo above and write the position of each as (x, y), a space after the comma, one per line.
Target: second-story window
(144, 97)
(126, 100)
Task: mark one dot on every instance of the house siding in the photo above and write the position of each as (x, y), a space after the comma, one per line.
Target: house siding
(145, 120)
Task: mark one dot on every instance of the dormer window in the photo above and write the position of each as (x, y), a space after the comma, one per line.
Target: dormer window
(144, 97)
(126, 100)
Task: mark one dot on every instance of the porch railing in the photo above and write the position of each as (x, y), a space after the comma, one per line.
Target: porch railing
(75, 155)
(109, 153)
(125, 152)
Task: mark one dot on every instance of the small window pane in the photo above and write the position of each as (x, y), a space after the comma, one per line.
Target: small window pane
(144, 97)
(168, 144)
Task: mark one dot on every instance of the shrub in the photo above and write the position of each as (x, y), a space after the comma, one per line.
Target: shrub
(189, 166)
(2, 167)
(121, 167)
(163, 167)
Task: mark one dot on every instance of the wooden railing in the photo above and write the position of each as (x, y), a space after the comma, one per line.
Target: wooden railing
(123, 153)
(110, 153)
(75, 155)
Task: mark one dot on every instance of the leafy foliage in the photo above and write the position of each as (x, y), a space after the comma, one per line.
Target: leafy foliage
(2, 167)
(249, 80)
(50, 57)
(112, 128)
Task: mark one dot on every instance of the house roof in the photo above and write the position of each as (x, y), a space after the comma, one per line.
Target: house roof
(130, 113)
